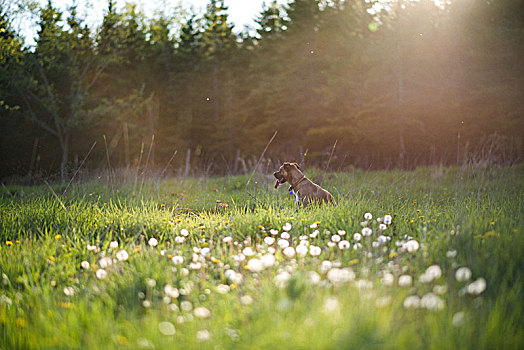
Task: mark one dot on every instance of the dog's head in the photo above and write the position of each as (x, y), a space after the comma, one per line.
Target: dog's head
(285, 172)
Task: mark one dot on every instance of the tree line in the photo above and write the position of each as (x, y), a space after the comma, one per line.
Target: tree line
(349, 83)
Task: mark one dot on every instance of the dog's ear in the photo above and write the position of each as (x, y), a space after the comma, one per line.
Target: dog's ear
(296, 164)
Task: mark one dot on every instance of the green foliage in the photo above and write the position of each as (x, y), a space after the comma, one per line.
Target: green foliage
(467, 217)
(401, 85)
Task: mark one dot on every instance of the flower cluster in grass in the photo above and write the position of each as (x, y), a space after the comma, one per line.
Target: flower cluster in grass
(375, 261)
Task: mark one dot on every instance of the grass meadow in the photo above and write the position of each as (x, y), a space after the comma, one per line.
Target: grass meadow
(425, 259)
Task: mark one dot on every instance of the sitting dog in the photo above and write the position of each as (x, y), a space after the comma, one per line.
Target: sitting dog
(307, 191)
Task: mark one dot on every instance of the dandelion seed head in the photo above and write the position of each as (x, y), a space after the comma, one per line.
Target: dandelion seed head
(387, 219)
(289, 252)
(477, 287)
(203, 335)
(246, 300)
(113, 245)
(335, 238)
(153, 242)
(184, 232)
(177, 259)
(255, 265)
(281, 279)
(85, 264)
(285, 235)
(432, 302)
(366, 232)
(302, 250)
(248, 251)
(287, 226)
(331, 304)
(388, 279)
(166, 328)
(451, 254)
(458, 319)
(412, 302)
(405, 281)
(186, 306)
(269, 240)
(122, 255)
(273, 232)
(202, 312)
(463, 274)
(343, 245)
(368, 216)
(411, 246)
(283, 243)
(314, 250)
(105, 262)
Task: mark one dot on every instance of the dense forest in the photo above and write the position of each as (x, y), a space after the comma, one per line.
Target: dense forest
(350, 83)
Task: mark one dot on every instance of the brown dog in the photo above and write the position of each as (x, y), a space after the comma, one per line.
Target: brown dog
(307, 191)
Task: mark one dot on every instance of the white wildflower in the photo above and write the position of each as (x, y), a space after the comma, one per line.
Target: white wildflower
(431, 302)
(411, 246)
(255, 265)
(314, 250)
(405, 280)
(246, 300)
(171, 291)
(368, 216)
(201, 312)
(283, 243)
(269, 240)
(105, 262)
(287, 226)
(289, 252)
(184, 232)
(458, 319)
(463, 274)
(248, 251)
(281, 279)
(343, 245)
(122, 255)
(302, 250)
(412, 301)
(366, 232)
(477, 287)
(388, 279)
(84, 264)
(177, 259)
(166, 328)
(153, 242)
(203, 335)
(101, 274)
(335, 238)
(337, 275)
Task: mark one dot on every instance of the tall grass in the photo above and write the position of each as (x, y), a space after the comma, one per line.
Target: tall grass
(461, 217)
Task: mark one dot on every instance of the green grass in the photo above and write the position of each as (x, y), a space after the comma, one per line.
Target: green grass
(48, 300)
